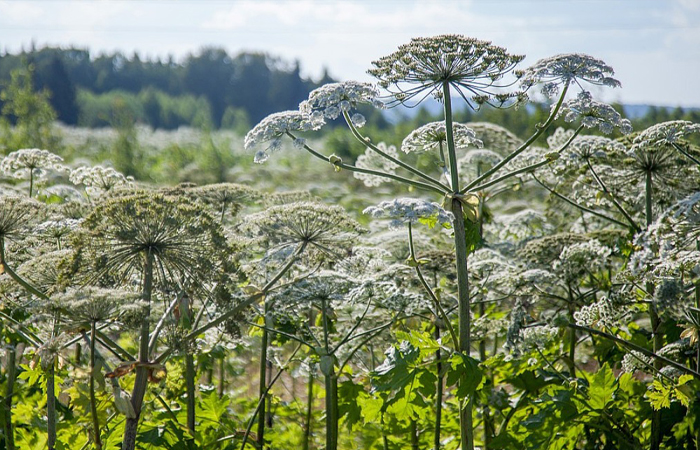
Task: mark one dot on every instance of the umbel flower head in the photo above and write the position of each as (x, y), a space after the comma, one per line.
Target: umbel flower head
(16, 214)
(271, 130)
(86, 305)
(403, 211)
(30, 162)
(566, 69)
(98, 180)
(324, 230)
(373, 160)
(331, 100)
(183, 239)
(470, 66)
(594, 114)
(666, 133)
(434, 136)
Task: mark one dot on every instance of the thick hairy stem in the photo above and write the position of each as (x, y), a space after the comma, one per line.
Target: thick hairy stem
(572, 337)
(11, 373)
(460, 236)
(658, 340)
(414, 434)
(331, 384)
(141, 381)
(262, 387)
(222, 375)
(93, 398)
(438, 393)
(309, 412)
(189, 386)
(489, 427)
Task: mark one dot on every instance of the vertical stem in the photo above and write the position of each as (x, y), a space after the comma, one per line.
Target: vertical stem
(414, 434)
(51, 394)
(572, 335)
(78, 352)
(438, 391)
(655, 439)
(31, 181)
(331, 384)
(309, 412)
(262, 389)
(93, 400)
(460, 236)
(9, 394)
(189, 386)
(141, 381)
(222, 375)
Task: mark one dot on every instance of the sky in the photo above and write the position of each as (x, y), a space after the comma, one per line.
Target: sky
(653, 45)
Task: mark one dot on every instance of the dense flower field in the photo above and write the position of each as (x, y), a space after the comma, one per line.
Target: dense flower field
(474, 290)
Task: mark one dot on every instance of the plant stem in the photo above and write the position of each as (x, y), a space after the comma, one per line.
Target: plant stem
(93, 399)
(262, 389)
(413, 429)
(189, 386)
(438, 392)
(309, 412)
(604, 188)
(331, 385)
(222, 375)
(658, 340)
(460, 237)
(141, 381)
(9, 393)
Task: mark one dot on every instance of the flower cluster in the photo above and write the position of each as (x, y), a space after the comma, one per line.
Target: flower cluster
(566, 69)
(495, 137)
(373, 160)
(272, 128)
(666, 133)
(466, 64)
(578, 260)
(331, 100)
(593, 114)
(30, 163)
(98, 180)
(605, 313)
(434, 136)
(403, 211)
(538, 336)
(636, 361)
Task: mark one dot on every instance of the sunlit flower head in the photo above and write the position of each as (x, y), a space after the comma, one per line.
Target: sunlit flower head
(470, 66)
(566, 69)
(433, 135)
(666, 133)
(98, 180)
(28, 162)
(403, 211)
(331, 100)
(16, 214)
(324, 230)
(272, 128)
(373, 160)
(495, 137)
(593, 114)
(86, 305)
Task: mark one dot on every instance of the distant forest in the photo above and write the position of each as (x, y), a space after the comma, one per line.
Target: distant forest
(208, 89)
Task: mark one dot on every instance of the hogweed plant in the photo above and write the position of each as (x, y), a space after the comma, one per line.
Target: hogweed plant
(480, 73)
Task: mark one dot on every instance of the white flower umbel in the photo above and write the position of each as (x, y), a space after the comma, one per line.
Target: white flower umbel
(331, 100)
(433, 136)
(666, 133)
(537, 336)
(566, 69)
(581, 259)
(403, 211)
(30, 164)
(272, 128)
(98, 180)
(593, 114)
(373, 160)
(634, 361)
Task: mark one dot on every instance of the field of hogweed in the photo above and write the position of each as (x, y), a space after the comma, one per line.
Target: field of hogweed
(464, 288)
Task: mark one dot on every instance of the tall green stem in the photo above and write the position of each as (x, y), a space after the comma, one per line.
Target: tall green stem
(460, 236)
(658, 340)
(141, 381)
(222, 375)
(262, 390)
(93, 399)
(11, 373)
(189, 386)
(331, 385)
(309, 412)
(438, 391)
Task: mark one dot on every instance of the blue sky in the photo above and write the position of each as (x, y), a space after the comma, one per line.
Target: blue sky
(654, 45)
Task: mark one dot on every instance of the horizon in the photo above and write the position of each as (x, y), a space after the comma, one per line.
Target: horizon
(654, 48)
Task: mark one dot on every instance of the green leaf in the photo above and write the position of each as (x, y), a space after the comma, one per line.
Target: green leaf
(396, 372)
(603, 387)
(465, 373)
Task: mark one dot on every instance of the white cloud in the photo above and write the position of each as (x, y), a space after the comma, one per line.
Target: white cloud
(16, 12)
